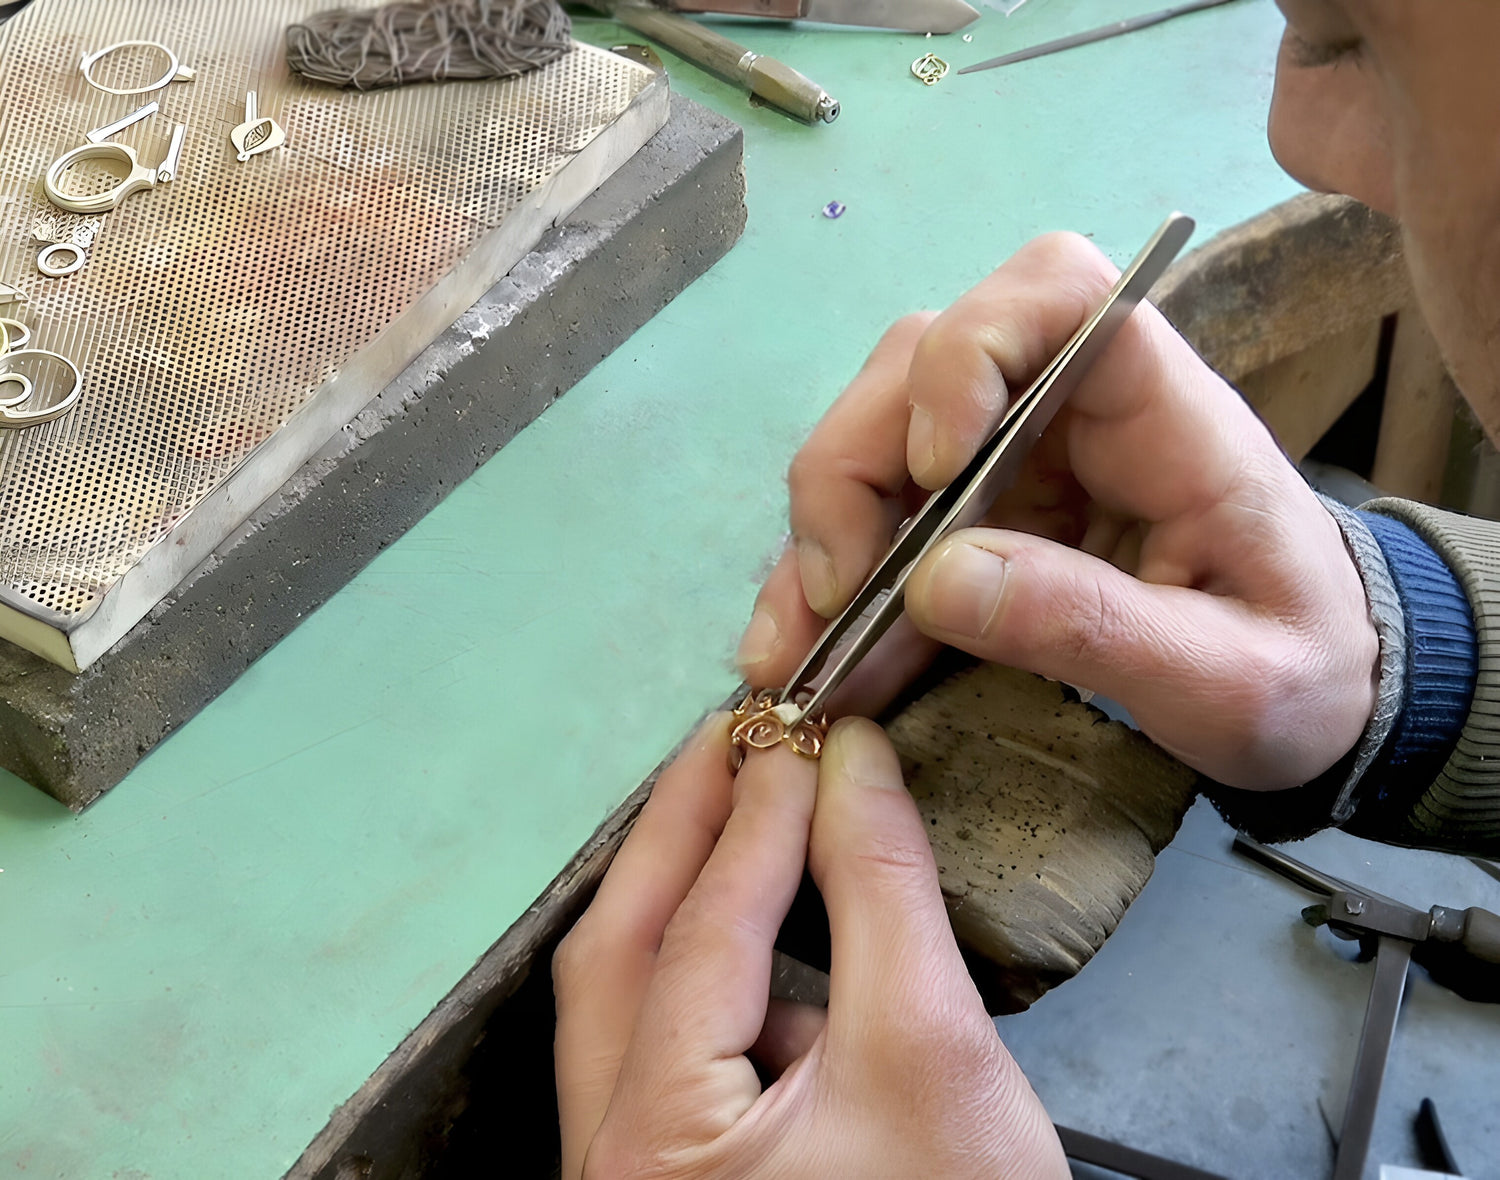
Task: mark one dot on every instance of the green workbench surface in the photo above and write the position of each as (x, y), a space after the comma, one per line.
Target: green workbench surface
(197, 970)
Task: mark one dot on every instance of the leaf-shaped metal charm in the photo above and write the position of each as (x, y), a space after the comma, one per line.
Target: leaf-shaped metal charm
(255, 134)
(253, 138)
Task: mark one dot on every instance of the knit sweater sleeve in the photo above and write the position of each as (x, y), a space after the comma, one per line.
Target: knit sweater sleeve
(1434, 780)
(1439, 787)
(1331, 798)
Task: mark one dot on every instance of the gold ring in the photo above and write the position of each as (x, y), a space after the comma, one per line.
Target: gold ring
(760, 723)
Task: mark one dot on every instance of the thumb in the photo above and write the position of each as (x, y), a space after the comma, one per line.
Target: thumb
(869, 855)
(1031, 603)
(907, 1035)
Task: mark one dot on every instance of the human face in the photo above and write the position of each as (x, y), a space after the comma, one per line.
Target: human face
(1397, 104)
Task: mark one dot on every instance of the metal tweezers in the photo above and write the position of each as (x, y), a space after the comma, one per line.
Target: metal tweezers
(964, 502)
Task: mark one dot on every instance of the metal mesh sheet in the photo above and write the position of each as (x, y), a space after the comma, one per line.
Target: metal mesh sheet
(214, 307)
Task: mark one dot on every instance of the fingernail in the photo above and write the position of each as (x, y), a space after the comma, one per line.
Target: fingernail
(860, 754)
(819, 583)
(709, 731)
(921, 443)
(760, 639)
(965, 589)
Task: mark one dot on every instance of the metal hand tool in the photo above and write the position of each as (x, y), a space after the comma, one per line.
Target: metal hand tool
(1126, 1161)
(908, 16)
(851, 636)
(1089, 36)
(768, 79)
(1461, 948)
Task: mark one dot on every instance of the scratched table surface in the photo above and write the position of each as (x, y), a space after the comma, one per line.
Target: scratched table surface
(197, 970)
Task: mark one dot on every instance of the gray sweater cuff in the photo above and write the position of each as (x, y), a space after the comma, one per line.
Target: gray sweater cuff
(1330, 798)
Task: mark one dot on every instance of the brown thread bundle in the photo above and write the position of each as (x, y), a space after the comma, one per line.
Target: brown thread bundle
(367, 48)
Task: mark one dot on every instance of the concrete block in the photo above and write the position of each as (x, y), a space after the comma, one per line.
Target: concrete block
(650, 230)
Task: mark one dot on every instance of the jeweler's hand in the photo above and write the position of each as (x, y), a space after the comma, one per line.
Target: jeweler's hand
(1158, 547)
(662, 1009)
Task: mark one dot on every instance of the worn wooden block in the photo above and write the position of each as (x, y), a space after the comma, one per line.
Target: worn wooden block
(1305, 270)
(1301, 395)
(1045, 817)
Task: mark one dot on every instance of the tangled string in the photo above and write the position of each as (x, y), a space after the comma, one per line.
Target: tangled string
(367, 48)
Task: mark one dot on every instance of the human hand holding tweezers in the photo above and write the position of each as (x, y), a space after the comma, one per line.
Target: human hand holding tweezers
(852, 635)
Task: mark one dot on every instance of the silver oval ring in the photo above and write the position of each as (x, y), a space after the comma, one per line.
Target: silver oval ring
(16, 379)
(17, 334)
(176, 71)
(45, 264)
(139, 177)
(20, 419)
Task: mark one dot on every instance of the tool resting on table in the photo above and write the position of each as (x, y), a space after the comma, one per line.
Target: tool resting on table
(909, 16)
(1459, 948)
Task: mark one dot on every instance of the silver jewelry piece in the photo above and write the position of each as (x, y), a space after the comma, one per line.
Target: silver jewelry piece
(137, 177)
(45, 264)
(66, 227)
(255, 134)
(176, 71)
(20, 419)
(17, 334)
(15, 379)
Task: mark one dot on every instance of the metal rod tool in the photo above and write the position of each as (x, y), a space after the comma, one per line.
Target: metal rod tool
(1089, 36)
(1460, 948)
(768, 79)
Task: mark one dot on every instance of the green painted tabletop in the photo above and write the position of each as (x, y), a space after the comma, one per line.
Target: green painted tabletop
(197, 970)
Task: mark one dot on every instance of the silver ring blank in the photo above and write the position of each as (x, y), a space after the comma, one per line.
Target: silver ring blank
(16, 379)
(176, 71)
(19, 333)
(44, 259)
(20, 419)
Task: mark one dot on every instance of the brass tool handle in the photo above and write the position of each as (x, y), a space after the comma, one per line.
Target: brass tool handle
(765, 77)
(771, 9)
(1476, 930)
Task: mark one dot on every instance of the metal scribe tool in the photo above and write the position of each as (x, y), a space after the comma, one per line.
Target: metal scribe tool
(1089, 36)
(907, 16)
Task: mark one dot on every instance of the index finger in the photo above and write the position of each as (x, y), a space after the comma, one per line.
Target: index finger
(1148, 398)
(707, 1000)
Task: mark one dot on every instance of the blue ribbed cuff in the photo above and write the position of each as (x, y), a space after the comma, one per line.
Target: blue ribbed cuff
(1442, 661)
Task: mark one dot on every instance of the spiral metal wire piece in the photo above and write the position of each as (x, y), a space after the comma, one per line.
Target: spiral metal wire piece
(760, 724)
(369, 48)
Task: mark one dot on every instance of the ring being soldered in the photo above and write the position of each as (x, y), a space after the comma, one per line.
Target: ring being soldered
(761, 724)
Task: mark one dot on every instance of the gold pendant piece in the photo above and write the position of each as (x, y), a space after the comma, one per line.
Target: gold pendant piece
(760, 724)
(929, 69)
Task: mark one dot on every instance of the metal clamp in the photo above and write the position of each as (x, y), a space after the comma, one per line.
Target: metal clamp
(176, 71)
(20, 419)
